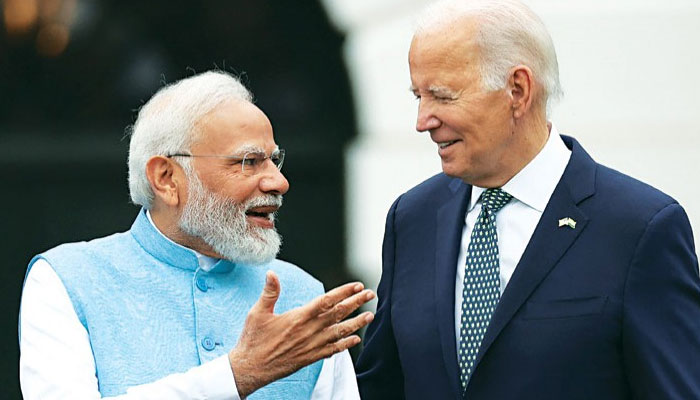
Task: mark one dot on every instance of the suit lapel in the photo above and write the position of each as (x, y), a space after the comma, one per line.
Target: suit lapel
(549, 242)
(450, 221)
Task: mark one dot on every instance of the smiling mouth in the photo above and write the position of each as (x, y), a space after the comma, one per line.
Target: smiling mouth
(265, 212)
(258, 214)
(443, 145)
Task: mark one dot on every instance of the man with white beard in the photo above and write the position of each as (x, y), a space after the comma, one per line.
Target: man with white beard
(188, 304)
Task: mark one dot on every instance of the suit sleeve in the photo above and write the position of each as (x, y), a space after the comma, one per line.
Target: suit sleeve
(379, 371)
(661, 322)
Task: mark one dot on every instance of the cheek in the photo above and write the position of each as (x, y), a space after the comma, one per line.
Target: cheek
(495, 125)
(500, 113)
(471, 117)
(238, 190)
(458, 119)
(229, 184)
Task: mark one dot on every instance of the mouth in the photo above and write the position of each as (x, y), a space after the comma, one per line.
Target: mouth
(443, 145)
(263, 216)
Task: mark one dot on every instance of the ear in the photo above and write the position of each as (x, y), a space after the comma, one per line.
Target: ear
(166, 180)
(521, 84)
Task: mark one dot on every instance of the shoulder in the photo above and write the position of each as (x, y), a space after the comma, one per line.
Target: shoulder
(621, 201)
(79, 253)
(74, 267)
(436, 185)
(83, 266)
(628, 198)
(429, 194)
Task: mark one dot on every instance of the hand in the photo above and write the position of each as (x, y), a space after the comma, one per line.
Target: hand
(274, 346)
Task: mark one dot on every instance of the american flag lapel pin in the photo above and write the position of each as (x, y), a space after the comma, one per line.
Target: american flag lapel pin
(567, 222)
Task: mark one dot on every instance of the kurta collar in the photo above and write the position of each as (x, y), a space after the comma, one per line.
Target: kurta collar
(167, 251)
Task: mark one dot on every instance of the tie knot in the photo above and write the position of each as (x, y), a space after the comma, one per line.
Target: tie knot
(495, 199)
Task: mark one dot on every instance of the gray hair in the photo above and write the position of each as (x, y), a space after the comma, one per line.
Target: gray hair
(509, 34)
(166, 124)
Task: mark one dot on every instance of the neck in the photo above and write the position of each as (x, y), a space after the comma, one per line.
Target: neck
(166, 221)
(530, 134)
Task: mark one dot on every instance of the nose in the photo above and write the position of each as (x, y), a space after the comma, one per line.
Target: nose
(273, 181)
(426, 118)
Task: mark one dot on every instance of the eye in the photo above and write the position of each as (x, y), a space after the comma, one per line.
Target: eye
(249, 161)
(443, 100)
(252, 160)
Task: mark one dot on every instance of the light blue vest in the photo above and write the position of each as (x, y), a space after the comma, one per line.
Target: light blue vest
(151, 311)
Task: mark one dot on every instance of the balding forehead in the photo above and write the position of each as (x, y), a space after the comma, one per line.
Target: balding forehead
(447, 21)
(458, 31)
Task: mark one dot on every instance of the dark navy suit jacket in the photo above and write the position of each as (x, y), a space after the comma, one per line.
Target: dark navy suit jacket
(608, 310)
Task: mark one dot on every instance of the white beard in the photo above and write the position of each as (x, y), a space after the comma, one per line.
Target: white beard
(221, 223)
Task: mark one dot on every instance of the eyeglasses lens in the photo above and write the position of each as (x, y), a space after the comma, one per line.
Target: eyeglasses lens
(252, 163)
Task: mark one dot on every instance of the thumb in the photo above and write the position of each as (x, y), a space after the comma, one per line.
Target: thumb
(270, 293)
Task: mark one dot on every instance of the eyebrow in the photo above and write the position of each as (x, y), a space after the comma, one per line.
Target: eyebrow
(437, 91)
(249, 148)
(440, 91)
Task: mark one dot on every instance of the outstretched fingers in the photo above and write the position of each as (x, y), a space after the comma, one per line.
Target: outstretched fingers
(338, 346)
(346, 307)
(326, 302)
(347, 327)
(271, 346)
(339, 337)
(339, 331)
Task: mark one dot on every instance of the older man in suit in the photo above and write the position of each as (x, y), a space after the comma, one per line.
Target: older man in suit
(526, 270)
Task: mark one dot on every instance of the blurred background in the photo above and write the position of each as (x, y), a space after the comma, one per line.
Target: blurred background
(333, 78)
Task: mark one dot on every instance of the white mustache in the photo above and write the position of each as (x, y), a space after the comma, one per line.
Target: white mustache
(267, 200)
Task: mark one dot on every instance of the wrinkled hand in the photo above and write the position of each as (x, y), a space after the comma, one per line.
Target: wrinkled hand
(274, 346)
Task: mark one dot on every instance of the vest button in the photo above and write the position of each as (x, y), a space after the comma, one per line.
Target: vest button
(208, 344)
(201, 284)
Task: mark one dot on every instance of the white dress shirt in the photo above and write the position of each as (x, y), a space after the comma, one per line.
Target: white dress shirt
(531, 189)
(56, 360)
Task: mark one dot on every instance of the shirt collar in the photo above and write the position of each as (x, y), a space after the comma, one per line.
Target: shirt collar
(535, 183)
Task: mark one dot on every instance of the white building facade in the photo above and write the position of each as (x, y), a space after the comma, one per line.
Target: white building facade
(631, 98)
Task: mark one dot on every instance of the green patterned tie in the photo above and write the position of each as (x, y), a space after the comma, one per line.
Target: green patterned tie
(482, 282)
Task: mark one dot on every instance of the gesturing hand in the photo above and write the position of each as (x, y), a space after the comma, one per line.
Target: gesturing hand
(274, 346)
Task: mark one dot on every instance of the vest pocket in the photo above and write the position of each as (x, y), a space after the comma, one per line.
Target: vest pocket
(564, 308)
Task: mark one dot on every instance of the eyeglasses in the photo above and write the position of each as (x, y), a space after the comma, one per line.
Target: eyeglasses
(252, 162)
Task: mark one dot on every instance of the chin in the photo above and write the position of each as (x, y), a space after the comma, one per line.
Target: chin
(454, 171)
